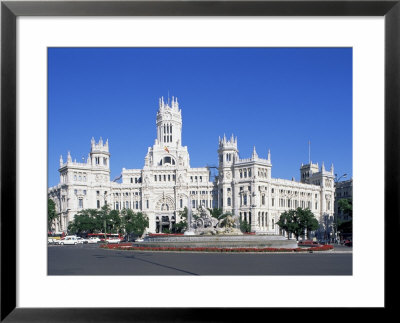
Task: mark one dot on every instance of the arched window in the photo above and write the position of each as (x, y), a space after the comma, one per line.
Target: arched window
(229, 201)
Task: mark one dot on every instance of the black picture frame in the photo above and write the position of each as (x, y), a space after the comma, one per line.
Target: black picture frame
(10, 10)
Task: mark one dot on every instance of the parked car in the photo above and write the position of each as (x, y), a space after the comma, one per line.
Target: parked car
(73, 240)
(113, 240)
(82, 240)
(93, 240)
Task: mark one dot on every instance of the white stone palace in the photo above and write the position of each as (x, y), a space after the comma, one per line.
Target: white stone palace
(167, 183)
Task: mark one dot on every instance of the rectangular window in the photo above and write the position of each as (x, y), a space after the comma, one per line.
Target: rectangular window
(273, 201)
(147, 204)
(80, 203)
(180, 203)
(155, 178)
(98, 204)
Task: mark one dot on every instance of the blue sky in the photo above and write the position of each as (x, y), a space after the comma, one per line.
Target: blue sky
(271, 98)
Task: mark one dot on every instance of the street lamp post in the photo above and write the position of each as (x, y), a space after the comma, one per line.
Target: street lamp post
(337, 179)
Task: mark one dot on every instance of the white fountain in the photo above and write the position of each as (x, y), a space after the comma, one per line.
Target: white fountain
(189, 231)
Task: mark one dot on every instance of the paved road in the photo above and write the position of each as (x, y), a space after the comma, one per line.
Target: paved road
(92, 260)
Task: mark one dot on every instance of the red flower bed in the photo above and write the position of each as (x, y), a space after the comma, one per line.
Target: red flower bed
(214, 249)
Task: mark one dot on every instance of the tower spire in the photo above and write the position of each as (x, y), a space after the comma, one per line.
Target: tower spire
(254, 155)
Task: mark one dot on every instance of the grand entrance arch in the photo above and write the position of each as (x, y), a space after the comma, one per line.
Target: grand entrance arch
(165, 221)
(165, 214)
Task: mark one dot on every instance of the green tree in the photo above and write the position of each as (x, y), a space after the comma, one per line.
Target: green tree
(109, 220)
(307, 221)
(244, 226)
(51, 213)
(289, 222)
(215, 212)
(347, 206)
(134, 223)
(85, 221)
(298, 221)
(114, 222)
(181, 226)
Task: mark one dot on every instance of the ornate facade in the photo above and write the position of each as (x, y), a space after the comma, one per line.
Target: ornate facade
(167, 183)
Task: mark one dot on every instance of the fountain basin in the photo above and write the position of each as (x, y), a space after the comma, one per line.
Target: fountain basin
(218, 241)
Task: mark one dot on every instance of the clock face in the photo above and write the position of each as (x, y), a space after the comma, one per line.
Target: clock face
(168, 116)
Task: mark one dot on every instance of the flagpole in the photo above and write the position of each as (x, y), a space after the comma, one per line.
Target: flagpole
(309, 152)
